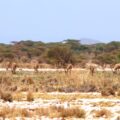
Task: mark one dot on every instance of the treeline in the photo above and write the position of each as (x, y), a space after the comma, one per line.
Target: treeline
(68, 51)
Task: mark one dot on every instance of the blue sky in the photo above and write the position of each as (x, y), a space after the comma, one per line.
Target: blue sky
(57, 20)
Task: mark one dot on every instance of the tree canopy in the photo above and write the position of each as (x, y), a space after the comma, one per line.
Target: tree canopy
(67, 51)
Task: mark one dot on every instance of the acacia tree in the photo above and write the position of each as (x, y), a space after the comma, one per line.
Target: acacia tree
(61, 55)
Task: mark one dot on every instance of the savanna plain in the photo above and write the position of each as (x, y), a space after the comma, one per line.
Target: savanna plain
(54, 95)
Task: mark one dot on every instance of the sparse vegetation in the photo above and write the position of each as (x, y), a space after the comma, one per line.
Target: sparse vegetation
(103, 113)
(7, 112)
(61, 112)
(118, 92)
(78, 81)
(108, 91)
(30, 96)
(104, 104)
(29, 86)
(6, 96)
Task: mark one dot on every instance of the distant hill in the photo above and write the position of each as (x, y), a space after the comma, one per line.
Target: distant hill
(87, 41)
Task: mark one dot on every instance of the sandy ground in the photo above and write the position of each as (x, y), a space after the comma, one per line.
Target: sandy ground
(89, 105)
(50, 69)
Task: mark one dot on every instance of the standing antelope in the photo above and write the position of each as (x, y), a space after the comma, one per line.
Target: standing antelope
(116, 68)
(68, 68)
(14, 67)
(8, 65)
(91, 67)
(35, 65)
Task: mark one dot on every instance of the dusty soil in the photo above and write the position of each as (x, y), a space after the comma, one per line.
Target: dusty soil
(90, 105)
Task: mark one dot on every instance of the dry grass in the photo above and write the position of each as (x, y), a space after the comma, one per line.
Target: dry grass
(27, 80)
(103, 104)
(103, 113)
(108, 91)
(4, 112)
(78, 81)
(73, 112)
(118, 92)
(18, 96)
(30, 96)
(66, 97)
(6, 96)
(38, 85)
(54, 112)
(7, 112)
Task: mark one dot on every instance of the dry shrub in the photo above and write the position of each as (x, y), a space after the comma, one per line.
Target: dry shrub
(4, 112)
(45, 65)
(54, 111)
(25, 113)
(62, 112)
(36, 89)
(30, 96)
(118, 92)
(107, 91)
(24, 88)
(5, 80)
(42, 111)
(88, 87)
(28, 80)
(7, 112)
(6, 96)
(13, 88)
(105, 104)
(116, 86)
(18, 96)
(118, 118)
(103, 113)
(73, 112)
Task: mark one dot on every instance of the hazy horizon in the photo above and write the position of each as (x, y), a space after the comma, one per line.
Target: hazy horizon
(54, 21)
